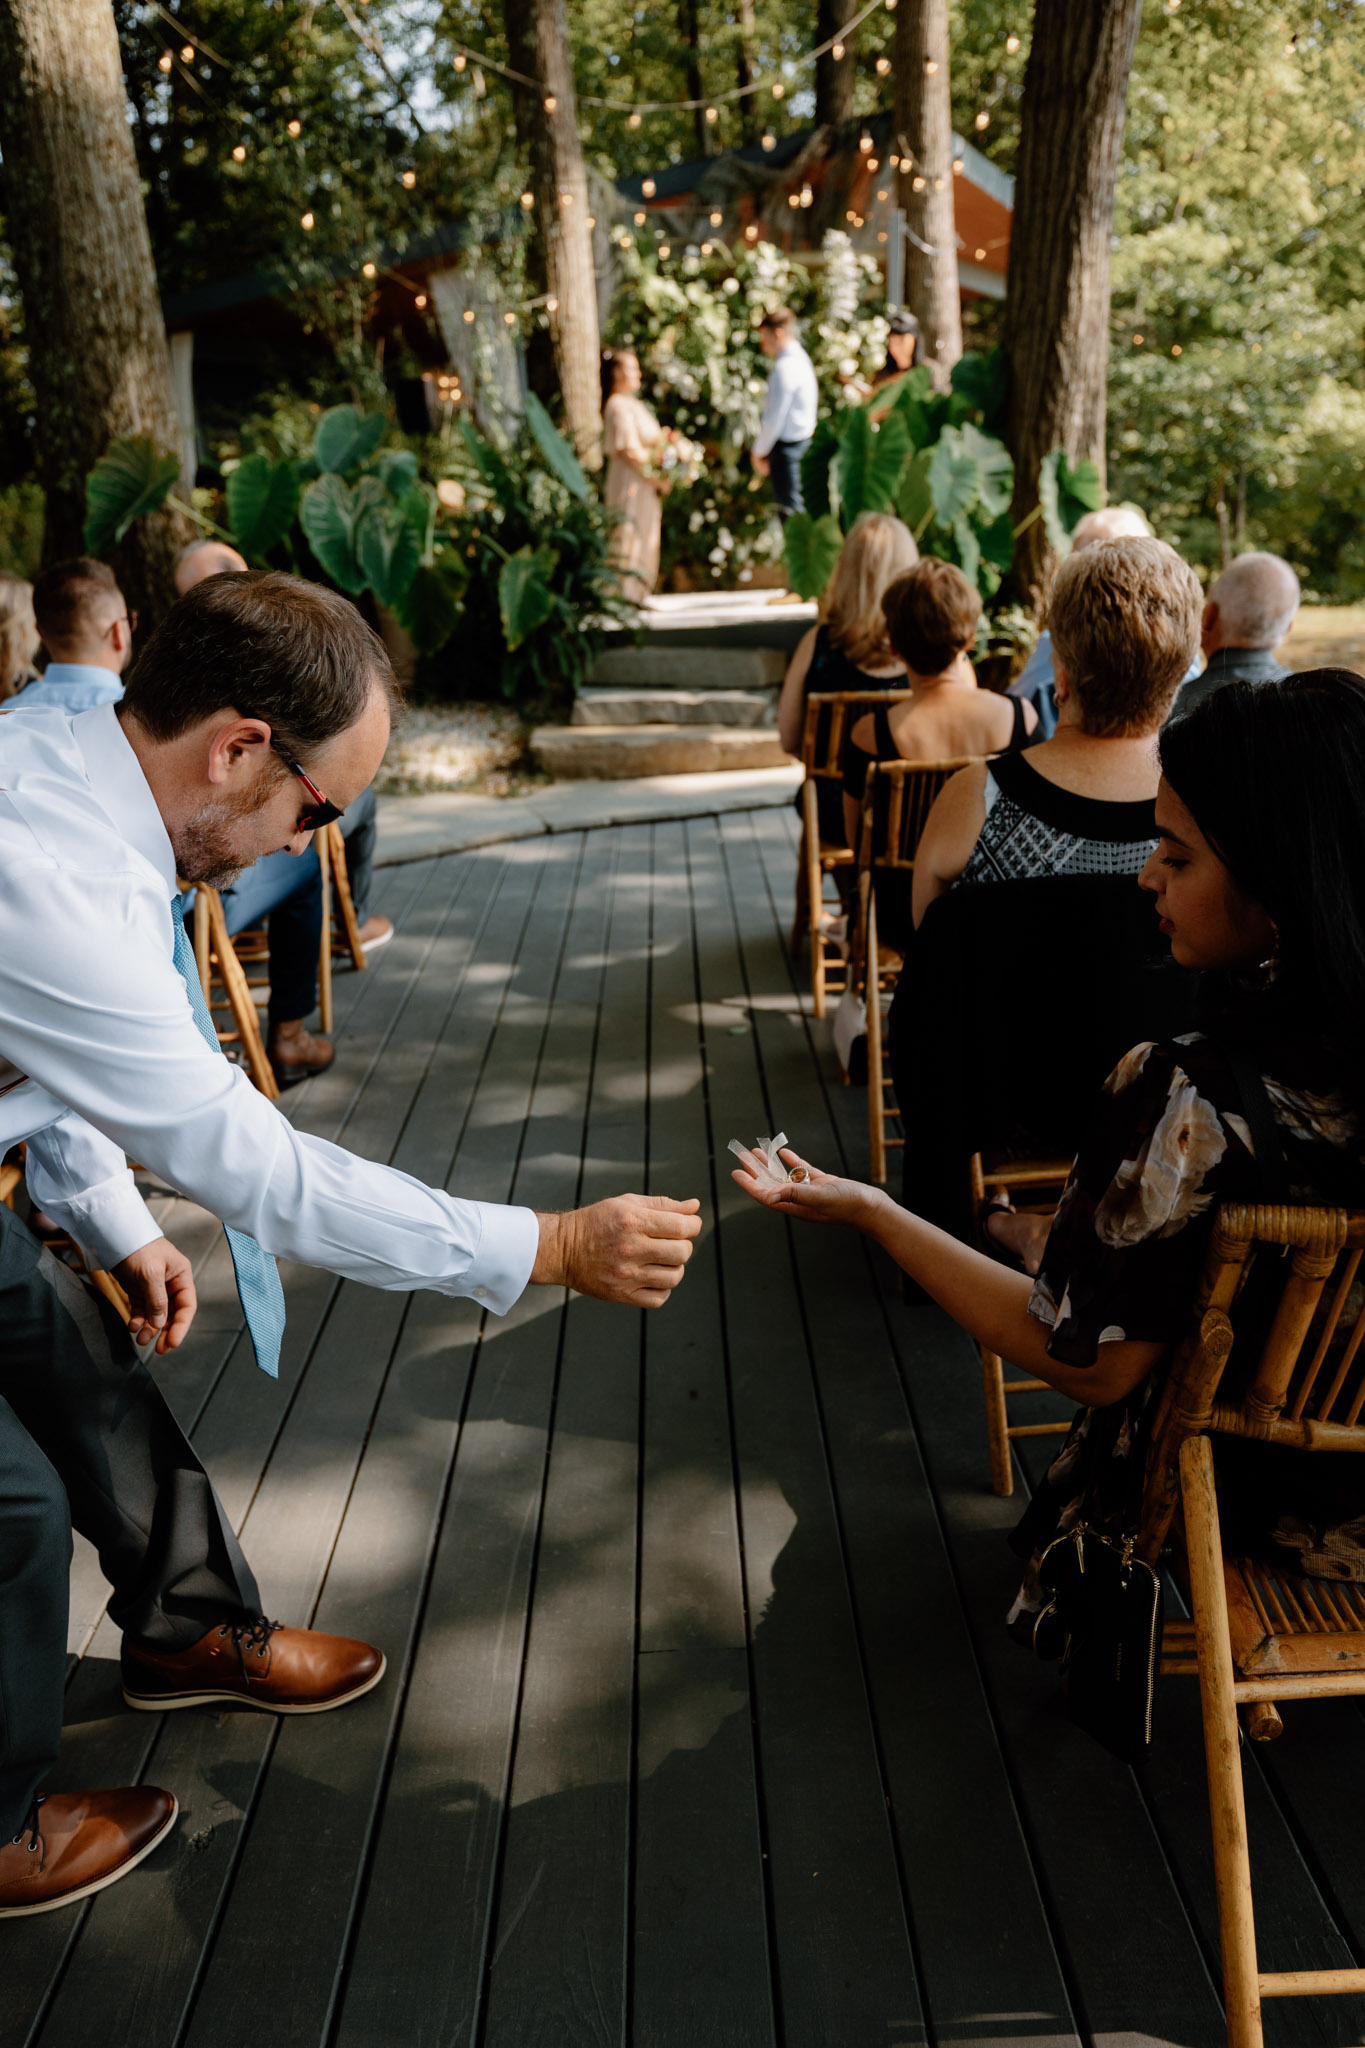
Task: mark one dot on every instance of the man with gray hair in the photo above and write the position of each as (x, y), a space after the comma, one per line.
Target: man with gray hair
(1250, 610)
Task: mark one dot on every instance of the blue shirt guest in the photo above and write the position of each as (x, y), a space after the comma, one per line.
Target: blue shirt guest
(87, 629)
(258, 711)
(789, 414)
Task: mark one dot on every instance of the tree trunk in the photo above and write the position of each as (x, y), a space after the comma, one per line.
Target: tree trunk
(689, 29)
(1057, 309)
(538, 45)
(744, 72)
(924, 126)
(92, 320)
(833, 77)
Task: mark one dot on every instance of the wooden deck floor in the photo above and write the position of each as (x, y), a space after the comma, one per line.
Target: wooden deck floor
(700, 1729)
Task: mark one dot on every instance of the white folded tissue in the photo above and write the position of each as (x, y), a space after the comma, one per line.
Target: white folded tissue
(768, 1150)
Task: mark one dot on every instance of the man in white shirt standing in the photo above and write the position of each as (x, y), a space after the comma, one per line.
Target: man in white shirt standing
(789, 414)
(87, 630)
(259, 710)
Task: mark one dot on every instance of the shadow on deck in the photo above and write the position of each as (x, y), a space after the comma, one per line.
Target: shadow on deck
(701, 1729)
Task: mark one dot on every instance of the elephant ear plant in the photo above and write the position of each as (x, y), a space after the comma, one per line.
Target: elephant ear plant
(936, 460)
(508, 561)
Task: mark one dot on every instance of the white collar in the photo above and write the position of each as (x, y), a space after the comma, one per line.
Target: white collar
(122, 790)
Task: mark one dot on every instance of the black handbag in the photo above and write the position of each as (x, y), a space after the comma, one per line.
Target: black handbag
(1103, 1619)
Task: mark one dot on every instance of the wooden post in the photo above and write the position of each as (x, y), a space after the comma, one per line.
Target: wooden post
(1222, 1749)
(924, 127)
(1057, 308)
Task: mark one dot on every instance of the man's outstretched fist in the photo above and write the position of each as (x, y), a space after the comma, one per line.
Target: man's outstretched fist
(632, 1248)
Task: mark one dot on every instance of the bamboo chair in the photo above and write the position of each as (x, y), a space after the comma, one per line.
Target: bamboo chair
(990, 1176)
(1259, 1635)
(63, 1247)
(897, 800)
(223, 977)
(829, 714)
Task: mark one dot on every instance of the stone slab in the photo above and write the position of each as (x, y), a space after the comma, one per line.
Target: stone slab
(606, 753)
(675, 707)
(424, 827)
(689, 668)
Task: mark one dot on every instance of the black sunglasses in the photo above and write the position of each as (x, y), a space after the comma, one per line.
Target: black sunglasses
(322, 810)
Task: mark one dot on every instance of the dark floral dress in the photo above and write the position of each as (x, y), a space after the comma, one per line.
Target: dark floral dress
(1168, 1144)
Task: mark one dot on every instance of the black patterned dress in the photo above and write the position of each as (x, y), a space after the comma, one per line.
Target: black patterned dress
(1168, 1144)
(1034, 827)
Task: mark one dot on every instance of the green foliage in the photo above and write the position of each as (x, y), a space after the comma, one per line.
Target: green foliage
(262, 503)
(525, 596)
(1066, 495)
(130, 478)
(346, 437)
(556, 449)
(812, 549)
(21, 529)
(328, 514)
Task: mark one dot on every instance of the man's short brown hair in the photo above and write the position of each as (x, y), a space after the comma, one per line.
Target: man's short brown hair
(66, 595)
(931, 615)
(1124, 617)
(268, 646)
(781, 320)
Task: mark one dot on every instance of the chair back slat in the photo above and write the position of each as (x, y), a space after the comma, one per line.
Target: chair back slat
(897, 800)
(1346, 1274)
(829, 714)
(1309, 1272)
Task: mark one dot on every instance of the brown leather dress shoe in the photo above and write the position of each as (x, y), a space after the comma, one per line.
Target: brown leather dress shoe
(75, 1843)
(254, 1664)
(294, 1054)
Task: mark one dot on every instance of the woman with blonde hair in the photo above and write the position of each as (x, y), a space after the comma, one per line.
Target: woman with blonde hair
(848, 648)
(18, 635)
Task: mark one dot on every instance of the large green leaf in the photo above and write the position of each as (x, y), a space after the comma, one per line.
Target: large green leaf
(855, 461)
(525, 598)
(968, 548)
(997, 539)
(915, 499)
(980, 380)
(387, 547)
(489, 463)
(346, 437)
(812, 549)
(418, 507)
(555, 448)
(262, 500)
(890, 448)
(1066, 495)
(396, 469)
(954, 478)
(815, 467)
(996, 466)
(430, 610)
(328, 516)
(131, 478)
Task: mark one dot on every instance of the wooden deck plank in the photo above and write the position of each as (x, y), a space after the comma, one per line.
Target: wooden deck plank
(964, 1854)
(419, 1967)
(701, 1954)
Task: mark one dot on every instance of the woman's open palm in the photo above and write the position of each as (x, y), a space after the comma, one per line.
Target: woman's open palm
(816, 1196)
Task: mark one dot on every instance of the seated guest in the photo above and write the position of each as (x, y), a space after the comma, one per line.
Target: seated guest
(19, 641)
(848, 649)
(204, 558)
(87, 630)
(1250, 610)
(1124, 620)
(931, 620)
(1259, 883)
(1034, 680)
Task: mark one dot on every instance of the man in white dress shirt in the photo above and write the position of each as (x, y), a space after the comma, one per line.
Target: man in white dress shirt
(789, 413)
(259, 702)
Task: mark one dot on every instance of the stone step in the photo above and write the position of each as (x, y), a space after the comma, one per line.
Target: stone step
(675, 707)
(689, 668)
(609, 753)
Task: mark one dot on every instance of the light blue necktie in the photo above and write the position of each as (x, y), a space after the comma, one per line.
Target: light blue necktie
(258, 1277)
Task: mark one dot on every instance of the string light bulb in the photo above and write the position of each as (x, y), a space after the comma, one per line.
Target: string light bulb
(566, 198)
(164, 61)
(633, 118)
(1012, 41)
(239, 154)
(894, 161)
(1137, 341)
(959, 166)
(552, 305)
(706, 248)
(550, 103)
(883, 66)
(187, 55)
(983, 120)
(865, 142)
(917, 184)
(1176, 348)
(409, 179)
(890, 6)
(939, 184)
(769, 139)
(807, 196)
(793, 199)
(367, 270)
(980, 256)
(778, 89)
(420, 302)
(639, 220)
(295, 128)
(460, 60)
(873, 163)
(882, 197)
(930, 67)
(307, 222)
(751, 232)
(716, 219)
(649, 188)
(592, 220)
(510, 319)
(713, 113)
(528, 200)
(664, 251)
(469, 316)
(837, 53)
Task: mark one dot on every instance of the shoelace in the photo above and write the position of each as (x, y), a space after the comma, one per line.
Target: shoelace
(37, 1840)
(251, 1635)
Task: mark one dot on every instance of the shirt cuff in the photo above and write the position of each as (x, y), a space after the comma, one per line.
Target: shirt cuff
(509, 1240)
(108, 1222)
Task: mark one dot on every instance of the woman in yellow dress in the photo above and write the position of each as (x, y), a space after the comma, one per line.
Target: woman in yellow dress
(629, 432)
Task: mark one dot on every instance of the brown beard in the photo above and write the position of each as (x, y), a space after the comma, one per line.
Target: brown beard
(203, 849)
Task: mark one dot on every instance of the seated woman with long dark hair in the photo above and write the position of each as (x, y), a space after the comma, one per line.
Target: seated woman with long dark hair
(1259, 881)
